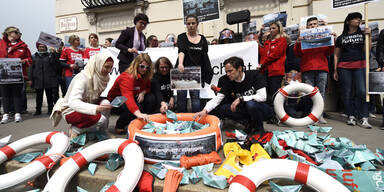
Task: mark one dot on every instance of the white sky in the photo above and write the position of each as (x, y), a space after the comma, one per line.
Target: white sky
(31, 17)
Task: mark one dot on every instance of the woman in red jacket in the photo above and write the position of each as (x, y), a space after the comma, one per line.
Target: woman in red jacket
(93, 49)
(134, 84)
(12, 47)
(272, 58)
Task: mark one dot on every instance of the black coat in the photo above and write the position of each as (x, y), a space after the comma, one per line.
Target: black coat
(124, 42)
(43, 72)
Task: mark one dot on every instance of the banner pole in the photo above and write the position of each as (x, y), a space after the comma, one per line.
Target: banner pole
(367, 51)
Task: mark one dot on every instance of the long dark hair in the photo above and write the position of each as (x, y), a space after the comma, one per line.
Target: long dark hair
(165, 60)
(349, 17)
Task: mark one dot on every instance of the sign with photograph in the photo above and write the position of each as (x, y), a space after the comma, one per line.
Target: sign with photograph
(317, 37)
(11, 71)
(269, 18)
(49, 40)
(376, 85)
(374, 26)
(205, 10)
(292, 31)
(345, 3)
(249, 28)
(189, 79)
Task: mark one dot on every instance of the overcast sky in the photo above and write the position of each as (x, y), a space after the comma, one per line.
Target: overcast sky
(31, 17)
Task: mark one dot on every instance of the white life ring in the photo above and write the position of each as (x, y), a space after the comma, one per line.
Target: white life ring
(127, 179)
(59, 144)
(317, 109)
(255, 174)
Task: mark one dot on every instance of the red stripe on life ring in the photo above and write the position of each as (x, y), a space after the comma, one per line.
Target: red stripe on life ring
(123, 145)
(79, 159)
(313, 117)
(244, 181)
(48, 138)
(46, 161)
(301, 174)
(8, 151)
(314, 91)
(285, 118)
(113, 188)
(283, 92)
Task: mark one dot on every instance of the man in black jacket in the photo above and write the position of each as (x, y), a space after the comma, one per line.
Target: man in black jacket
(131, 40)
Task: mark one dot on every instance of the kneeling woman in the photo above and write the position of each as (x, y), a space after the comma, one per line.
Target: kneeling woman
(134, 84)
(81, 106)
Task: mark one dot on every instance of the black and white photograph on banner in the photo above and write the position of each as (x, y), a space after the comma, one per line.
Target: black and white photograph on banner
(189, 79)
(374, 26)
(249, 28)
(11, 71)
(345, 3)
(280, 16)
(49, 40)
(376, 85)
(205, 10)
(292, 31)
(317, 37)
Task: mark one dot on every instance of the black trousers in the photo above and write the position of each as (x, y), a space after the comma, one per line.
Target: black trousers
(147, 106)
(123, 66)
(273, 84)
(12, 94)
(39, 98)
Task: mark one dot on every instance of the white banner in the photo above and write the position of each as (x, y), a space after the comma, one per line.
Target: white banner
(248, 51)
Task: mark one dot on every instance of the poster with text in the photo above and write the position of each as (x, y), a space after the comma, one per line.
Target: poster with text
(189, 79)
(11, 71)
(317, 37)
(205, 10)
(345, 3)
(49, 40)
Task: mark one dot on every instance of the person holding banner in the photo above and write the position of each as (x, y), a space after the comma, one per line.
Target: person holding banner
(135, 85)
(161, 83)
(193, 51)
(69, 58)
(131, 40)
(82, 107)
(350, 68)
(11, 46)
(247, 93)
(272, 58)
(93, 49)
(314, 63)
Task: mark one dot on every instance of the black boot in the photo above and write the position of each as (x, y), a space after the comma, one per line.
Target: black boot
(38, 112)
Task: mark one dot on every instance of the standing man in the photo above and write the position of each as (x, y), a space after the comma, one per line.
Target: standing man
(314, 63)
(131, 40)
(248, 97)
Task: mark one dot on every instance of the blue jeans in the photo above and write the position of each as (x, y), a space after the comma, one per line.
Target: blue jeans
(182, 100)
(252, 110)
(316, 78)
(68, 81)
(353, 79)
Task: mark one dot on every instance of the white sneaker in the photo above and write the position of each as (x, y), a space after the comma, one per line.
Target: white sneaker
(17, 117)
(322, 120)
(351, 121)
(5, 119)
(343, 115)
(371, 115)
(364, 123)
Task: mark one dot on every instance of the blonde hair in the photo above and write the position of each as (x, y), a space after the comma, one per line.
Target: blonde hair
(281, 31)
(72, 39)
(132, 69)
(9, 30)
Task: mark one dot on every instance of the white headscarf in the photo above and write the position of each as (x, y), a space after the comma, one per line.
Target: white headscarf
(92, 71)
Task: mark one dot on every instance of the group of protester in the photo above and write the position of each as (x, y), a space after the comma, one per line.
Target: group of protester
(241, 95)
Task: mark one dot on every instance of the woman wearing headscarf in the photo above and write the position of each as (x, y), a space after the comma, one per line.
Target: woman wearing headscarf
(82, 107)
(135, 85)
(11, 46)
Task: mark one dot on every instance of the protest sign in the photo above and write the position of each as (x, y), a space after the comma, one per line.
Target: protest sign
(292, 31)
(345, 3)
(374, 26)
(269, 18)
(205, 10)
(248, 51)
(49, 40)
(189, 79)
(249, 28)
(317, 37)
(376, 85)
(11, 71)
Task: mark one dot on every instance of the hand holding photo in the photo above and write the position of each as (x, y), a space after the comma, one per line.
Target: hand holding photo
(118, 101)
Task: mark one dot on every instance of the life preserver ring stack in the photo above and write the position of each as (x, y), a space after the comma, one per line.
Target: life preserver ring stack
(313, 92)
(255, 174)
(127, 179)
(59, 144)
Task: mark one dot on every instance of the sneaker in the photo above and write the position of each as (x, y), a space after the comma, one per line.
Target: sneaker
(17, 117)
(351, 121)
(371, 115)
(364, 123)
(5, 119)
(322, 120)
(343, 115)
